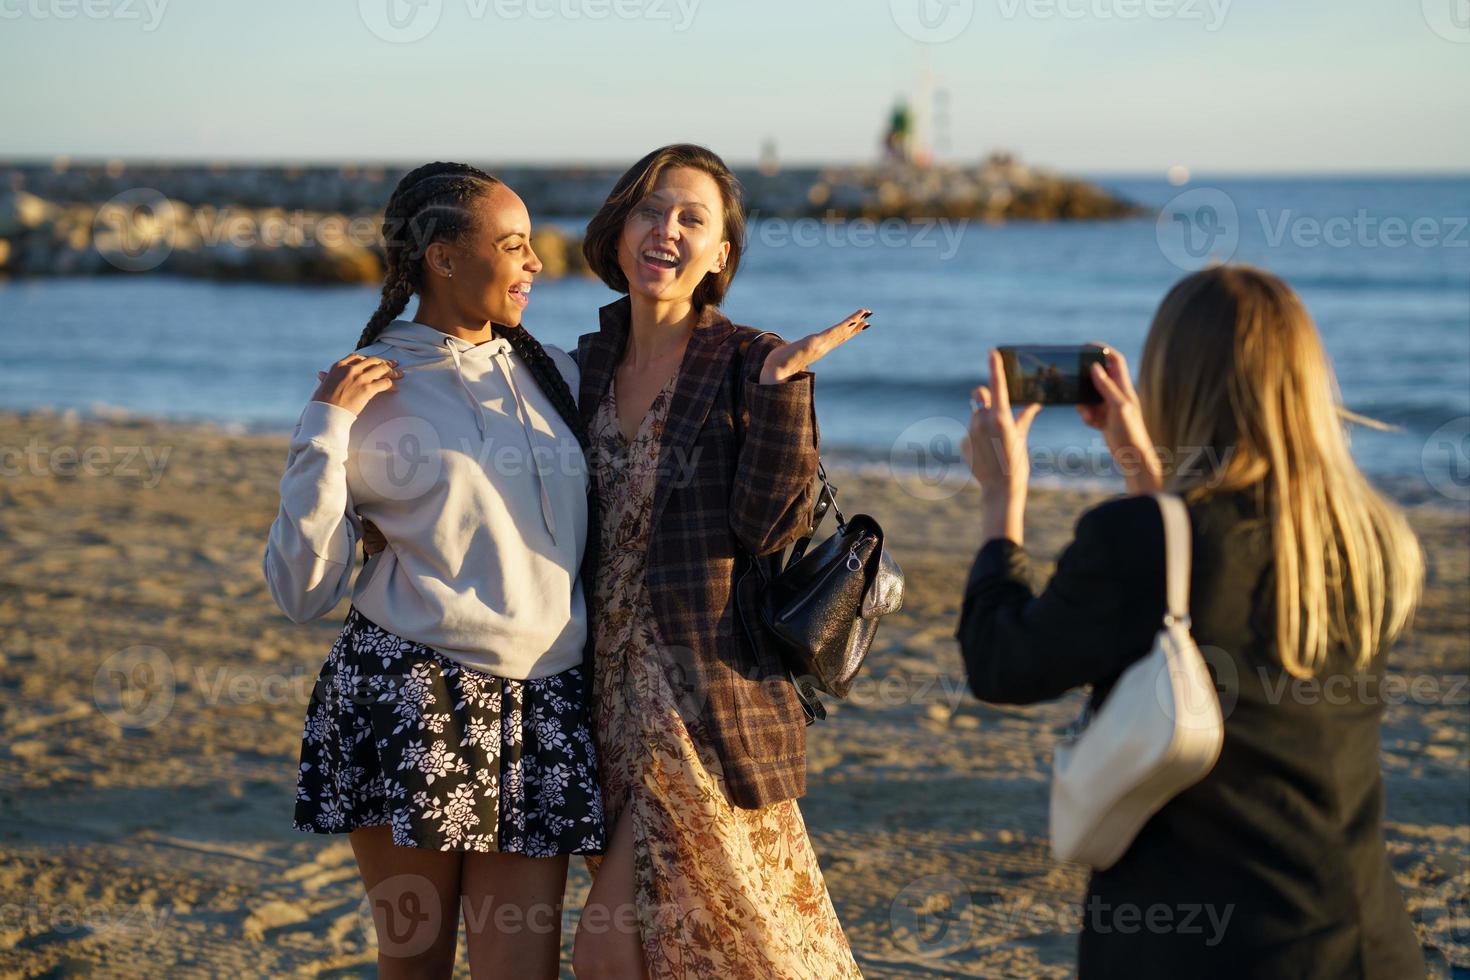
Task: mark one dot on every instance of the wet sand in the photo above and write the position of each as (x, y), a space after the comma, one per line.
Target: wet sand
(153, 696)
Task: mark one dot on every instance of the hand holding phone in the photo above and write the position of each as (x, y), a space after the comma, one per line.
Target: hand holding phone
(1119, 417)
(1053, 375)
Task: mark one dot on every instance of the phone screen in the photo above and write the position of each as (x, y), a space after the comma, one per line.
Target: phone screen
(1052, 375)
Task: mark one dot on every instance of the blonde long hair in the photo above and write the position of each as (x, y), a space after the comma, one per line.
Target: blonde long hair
(1237, 392)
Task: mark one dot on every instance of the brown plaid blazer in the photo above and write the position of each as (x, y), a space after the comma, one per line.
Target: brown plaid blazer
(724, 491)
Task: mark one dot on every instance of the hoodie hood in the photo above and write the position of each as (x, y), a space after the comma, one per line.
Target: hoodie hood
(426, 343)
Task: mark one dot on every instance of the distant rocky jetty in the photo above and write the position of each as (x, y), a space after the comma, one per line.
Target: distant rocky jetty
(144, 231)
(998, 189)
(321, 224)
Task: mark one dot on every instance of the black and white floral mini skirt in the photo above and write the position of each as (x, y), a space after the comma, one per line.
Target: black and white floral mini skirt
(448, 757)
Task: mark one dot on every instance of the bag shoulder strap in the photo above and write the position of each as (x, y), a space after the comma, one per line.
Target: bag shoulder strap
(1177, 556)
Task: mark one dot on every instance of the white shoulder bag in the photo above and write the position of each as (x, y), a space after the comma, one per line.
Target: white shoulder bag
(1157, 733)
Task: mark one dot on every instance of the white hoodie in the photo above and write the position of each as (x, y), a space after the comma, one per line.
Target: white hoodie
(480, 489)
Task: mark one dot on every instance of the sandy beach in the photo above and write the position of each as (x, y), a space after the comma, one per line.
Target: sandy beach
(153, 696)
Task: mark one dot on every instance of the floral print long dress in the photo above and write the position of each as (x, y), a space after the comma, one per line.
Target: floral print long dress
(720, 891)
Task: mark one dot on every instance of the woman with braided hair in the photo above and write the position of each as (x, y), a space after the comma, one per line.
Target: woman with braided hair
(448, 733)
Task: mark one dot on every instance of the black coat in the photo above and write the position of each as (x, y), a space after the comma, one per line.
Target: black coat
(1285, 835)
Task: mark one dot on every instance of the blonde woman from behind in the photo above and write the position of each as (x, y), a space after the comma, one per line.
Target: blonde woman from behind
(1274, 864)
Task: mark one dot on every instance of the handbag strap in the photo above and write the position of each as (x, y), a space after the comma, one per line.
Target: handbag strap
(1176, 558)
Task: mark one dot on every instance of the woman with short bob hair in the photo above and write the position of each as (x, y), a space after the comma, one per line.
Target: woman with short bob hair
(1273, 865)
(600, 246)
(704, 454)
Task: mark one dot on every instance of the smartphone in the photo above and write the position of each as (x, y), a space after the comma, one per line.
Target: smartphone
(1052, 375)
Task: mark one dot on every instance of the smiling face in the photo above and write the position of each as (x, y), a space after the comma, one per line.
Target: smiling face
(486, 276)
(674, 237)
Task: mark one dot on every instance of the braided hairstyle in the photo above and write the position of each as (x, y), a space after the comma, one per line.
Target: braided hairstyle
(435, 203)
(432, 203)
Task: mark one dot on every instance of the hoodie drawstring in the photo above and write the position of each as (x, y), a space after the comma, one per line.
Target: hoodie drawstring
(503, 359)
(459, 373)
(522, 415)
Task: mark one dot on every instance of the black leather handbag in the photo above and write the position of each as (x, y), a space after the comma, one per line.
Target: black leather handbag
(820, 611)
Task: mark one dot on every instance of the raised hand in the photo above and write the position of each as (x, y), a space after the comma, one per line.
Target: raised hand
(798, 355)
(1119, 417)
(995, 447)
(355, 380)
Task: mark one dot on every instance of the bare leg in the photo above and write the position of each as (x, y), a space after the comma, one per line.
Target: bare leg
(512, 915)
(414, 895)
(608, 944)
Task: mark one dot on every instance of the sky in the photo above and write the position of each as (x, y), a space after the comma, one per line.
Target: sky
(1094, 86)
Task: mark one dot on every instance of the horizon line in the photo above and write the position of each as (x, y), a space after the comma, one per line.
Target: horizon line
(551, 163)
